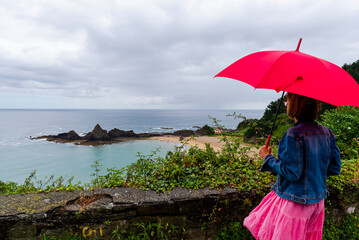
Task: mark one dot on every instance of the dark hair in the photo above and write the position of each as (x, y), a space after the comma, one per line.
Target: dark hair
(302, 108)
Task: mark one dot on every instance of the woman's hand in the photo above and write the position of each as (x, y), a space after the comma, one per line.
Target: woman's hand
(264, 151)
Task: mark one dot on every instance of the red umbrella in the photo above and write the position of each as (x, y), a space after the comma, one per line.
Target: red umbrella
(296, 72)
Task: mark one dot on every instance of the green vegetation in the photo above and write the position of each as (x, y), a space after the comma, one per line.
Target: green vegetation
(65, 238)
(257, 130)
(193, 168)
(353, 69)
(344, 122)
(348, 178)
(348, 229)
(208, 130)
(234, 230)
(151, 231)
(32, 184)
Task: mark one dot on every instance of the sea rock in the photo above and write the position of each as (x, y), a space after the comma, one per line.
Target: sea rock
(71, 135)
(117, 133)
(184, 133)
(97, 134)
(201, 132)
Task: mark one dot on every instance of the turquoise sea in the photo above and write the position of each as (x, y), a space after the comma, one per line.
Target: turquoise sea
(19, 155)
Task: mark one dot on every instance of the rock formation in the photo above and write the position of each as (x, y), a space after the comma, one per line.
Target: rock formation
(99, 136)
(184, 133)
(116, 133)
(72, 135)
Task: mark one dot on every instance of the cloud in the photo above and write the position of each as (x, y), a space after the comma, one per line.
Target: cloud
(157, 54)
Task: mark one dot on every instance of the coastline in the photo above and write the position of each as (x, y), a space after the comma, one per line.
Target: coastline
(199, 141)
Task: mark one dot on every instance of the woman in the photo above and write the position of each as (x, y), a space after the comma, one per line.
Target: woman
(307, 155)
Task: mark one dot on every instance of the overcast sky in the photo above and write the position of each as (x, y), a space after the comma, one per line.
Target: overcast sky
(157, 53)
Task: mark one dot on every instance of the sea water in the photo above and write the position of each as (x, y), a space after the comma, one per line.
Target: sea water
(19, 155)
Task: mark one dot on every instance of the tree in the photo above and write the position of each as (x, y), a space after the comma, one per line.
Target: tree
(353, 69)
(271, 109)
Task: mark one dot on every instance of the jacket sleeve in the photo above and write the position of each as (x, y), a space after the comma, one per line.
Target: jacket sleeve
(290, 159)
(334, 166)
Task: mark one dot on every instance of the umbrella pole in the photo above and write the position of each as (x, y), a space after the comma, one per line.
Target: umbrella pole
(275, 118)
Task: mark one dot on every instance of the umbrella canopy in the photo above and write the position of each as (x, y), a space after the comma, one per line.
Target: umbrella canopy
(296, 72)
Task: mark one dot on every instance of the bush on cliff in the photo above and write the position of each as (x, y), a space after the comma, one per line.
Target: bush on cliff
(193, 168)
(196, 168)
(344, 122)
(208, 130)
(256, 130)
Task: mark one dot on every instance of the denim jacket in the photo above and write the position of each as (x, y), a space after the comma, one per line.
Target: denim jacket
(307, 155)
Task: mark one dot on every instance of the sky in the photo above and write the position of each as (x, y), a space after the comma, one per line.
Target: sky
(157, 54)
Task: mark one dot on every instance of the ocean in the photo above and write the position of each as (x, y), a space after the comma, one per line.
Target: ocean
(19, 155)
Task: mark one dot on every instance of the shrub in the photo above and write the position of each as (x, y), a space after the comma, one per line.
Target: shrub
(208, 130)
(193, 168)
(349, 229)
(344, 122)
(234, 230)
(151, 231)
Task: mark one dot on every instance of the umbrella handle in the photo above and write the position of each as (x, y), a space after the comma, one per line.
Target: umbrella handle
(275, 118)
(268, 140)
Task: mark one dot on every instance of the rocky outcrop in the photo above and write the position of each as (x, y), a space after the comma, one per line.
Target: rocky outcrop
(188, 133)
(200, 132)
(117, 133)
(184, 133)
(97, 134)
(100, 136)
(72, 135)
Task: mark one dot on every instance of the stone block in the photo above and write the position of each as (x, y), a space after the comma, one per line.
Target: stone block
(156, 209)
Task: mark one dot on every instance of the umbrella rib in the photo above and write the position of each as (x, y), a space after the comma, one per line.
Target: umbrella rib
(271, 67)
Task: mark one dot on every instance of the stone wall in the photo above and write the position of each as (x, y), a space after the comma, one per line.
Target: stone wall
(97, 213)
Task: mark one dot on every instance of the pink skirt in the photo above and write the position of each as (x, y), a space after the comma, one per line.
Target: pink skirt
(277, 218)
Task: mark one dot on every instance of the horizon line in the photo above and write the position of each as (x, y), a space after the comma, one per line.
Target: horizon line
(132, 109)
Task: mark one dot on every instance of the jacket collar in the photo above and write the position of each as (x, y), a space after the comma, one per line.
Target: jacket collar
(302, 121)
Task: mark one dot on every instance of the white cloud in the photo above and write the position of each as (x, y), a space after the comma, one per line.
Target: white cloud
(157, 54)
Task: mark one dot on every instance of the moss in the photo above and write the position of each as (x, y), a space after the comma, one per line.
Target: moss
(247, 203)
(34, 203)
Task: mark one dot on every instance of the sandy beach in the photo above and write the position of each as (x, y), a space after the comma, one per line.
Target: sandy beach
(200, 142)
